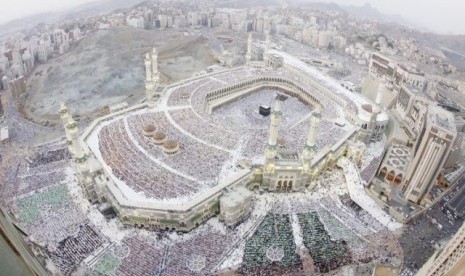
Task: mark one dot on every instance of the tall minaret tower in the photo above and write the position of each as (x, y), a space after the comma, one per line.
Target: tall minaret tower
(375, 134)
(74, 144)
(65, 119)
(248, 55)
(148, 68)
(1, 105)
(72, 134)
(79, 156)
(266, 54)
(379, 94)
(309, 150)
(148, 77)
(271, 147)
(155, 73)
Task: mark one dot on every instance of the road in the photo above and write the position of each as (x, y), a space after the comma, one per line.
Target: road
(420, 236)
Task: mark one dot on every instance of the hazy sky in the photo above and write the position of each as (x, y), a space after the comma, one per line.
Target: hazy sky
(13, 9)
(444, 16)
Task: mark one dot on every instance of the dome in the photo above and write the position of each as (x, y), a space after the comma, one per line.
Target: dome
(368, 108)
(159, 135)
(149, 129)
(318, 110)
(170, 144)
(170, 147)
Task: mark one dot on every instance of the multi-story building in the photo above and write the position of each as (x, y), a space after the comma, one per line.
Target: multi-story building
(324, 38)
(411, 108)
(235, 205)
(136, 21)
(381, 67)
(410, 76)
(430, 153)
(1, 105)
(44, 50)
(460, 141)
(391, 71)
(448, 260)
(17, 86)
(394, 166)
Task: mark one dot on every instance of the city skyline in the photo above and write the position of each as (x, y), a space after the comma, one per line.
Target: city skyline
(443, 17)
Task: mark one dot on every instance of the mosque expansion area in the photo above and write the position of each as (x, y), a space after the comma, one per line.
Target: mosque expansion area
(254, 169)
(171, 163)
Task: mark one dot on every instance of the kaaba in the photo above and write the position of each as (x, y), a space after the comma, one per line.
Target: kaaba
(264, 110)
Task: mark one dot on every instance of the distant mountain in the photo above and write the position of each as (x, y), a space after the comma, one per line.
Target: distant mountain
(237, 4)
(88, 9)
(366, 11)
(369, 12)
(320, 6)
(102, 6)
(16, 25)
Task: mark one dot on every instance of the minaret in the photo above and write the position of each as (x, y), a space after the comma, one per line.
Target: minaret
(65, 119)
(1, 105)
(379, 94)
(309, 150)
(266, 54)
(76, 148)
(248, 55)
(271, 147)
(72, 134)
(374, 133)
(79, 156)
(148, 68)
(148, 77)
(155, 73)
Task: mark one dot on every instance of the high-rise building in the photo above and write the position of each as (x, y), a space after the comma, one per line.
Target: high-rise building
(28, 62)
(430, 153)
(44, 51)
(17, 86)
(448, 260)
(460, 141)
(1, 105)
(324, 39)
(248, 55)
(393, 71)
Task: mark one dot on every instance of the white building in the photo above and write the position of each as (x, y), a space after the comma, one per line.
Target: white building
(235, 205)
(136, 21)
(430, 154)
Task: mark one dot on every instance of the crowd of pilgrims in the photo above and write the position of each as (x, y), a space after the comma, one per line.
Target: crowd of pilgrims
(206, 141)
(204, 130)
(69, 238)
(326, 253)
(71, 251)
(50, 156)
(210, 246)
(208, 160)
(274, 231)
(43, 168)
(137, 170)
(144, 258)
(367, 173)
(197, 120)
